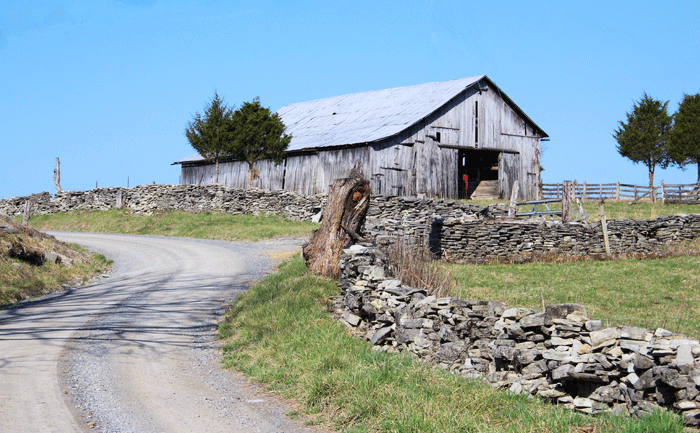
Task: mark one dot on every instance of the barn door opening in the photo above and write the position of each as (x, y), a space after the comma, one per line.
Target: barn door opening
(481, 170)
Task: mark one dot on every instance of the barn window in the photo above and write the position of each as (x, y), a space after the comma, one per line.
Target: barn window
(437, 137)
(476, 123)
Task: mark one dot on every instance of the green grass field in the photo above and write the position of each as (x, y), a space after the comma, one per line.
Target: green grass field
(202, 225)
(647, 293)
(279, 333)
(615, 209)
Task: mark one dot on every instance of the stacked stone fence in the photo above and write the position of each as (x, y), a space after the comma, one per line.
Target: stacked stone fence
(460, 240)
(561, 354)
(452, 229)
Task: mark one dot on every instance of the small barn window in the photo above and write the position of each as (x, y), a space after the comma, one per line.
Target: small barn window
(437, 137)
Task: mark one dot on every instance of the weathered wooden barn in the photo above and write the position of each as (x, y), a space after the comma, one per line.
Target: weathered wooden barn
(424, 139)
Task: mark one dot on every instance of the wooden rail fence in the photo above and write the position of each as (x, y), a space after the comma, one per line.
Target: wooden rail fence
(680, 193)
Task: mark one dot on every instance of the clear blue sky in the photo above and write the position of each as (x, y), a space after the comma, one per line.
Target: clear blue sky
(108, 86)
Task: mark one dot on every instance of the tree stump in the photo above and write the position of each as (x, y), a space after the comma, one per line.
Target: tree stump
(343, 219)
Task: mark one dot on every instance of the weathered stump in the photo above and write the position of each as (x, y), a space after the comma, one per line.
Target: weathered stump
(343, 218)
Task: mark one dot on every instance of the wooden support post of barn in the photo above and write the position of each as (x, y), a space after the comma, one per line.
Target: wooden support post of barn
(566, 201)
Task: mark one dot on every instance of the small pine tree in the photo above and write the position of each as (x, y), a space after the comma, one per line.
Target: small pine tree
(643, 137)
(259, 134)
(211, 134)
(684, 137)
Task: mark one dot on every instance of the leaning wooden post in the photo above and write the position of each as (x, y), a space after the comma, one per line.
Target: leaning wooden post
(566, 201)
(513, 208)
(57, 176)
(26, 213)
(604, 226)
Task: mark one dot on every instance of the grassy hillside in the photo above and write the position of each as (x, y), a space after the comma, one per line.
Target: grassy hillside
(24, 275)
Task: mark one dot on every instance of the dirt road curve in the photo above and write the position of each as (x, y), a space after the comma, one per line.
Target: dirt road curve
(133, 352)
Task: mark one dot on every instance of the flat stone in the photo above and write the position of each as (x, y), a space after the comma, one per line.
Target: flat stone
(550, 393)
(642, 362)
(533, 320)
(584, 348)
(634, 345)
(634, 333)
(556, 341)
(594, 325)
(686, 405)
(517, 313)
(562, 372)
(560, 311)
(580, 402)
(380, 335)
(604, 335)
(425, 301)
(685, 356)
(351, 318)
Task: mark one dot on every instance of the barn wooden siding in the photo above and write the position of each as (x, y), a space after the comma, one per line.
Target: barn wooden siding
(414, 161)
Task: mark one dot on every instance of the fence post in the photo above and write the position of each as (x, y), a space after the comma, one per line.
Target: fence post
(604, 226)
(635, 193)
(26, 213)
(663, 193)
(513, 208)
(120, 199)
(584, 196)
(617, 191)
(566, 201)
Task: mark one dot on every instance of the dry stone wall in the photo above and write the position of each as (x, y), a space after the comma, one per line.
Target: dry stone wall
(458, 240)
(452, 229)
(559, 354)
(154, 198)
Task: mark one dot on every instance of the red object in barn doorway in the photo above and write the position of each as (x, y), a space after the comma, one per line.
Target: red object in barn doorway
(465, 178)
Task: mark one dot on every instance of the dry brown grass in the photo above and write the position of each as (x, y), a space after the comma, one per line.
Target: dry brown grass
(414, 266)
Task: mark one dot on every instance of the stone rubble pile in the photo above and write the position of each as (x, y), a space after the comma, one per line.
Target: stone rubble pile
(561, 354)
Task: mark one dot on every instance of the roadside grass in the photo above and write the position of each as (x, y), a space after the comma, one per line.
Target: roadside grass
(279, 333)
(20, 281)
(650, 293)
(202, 225)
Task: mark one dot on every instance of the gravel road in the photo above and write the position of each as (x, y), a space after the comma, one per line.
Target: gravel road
(133, 350)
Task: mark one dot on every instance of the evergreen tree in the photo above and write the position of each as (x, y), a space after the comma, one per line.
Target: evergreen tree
(259, 134)
(211, 134)
(684, 137)
(643, 137)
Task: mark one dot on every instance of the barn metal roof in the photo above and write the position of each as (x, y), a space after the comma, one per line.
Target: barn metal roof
(365, 117)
